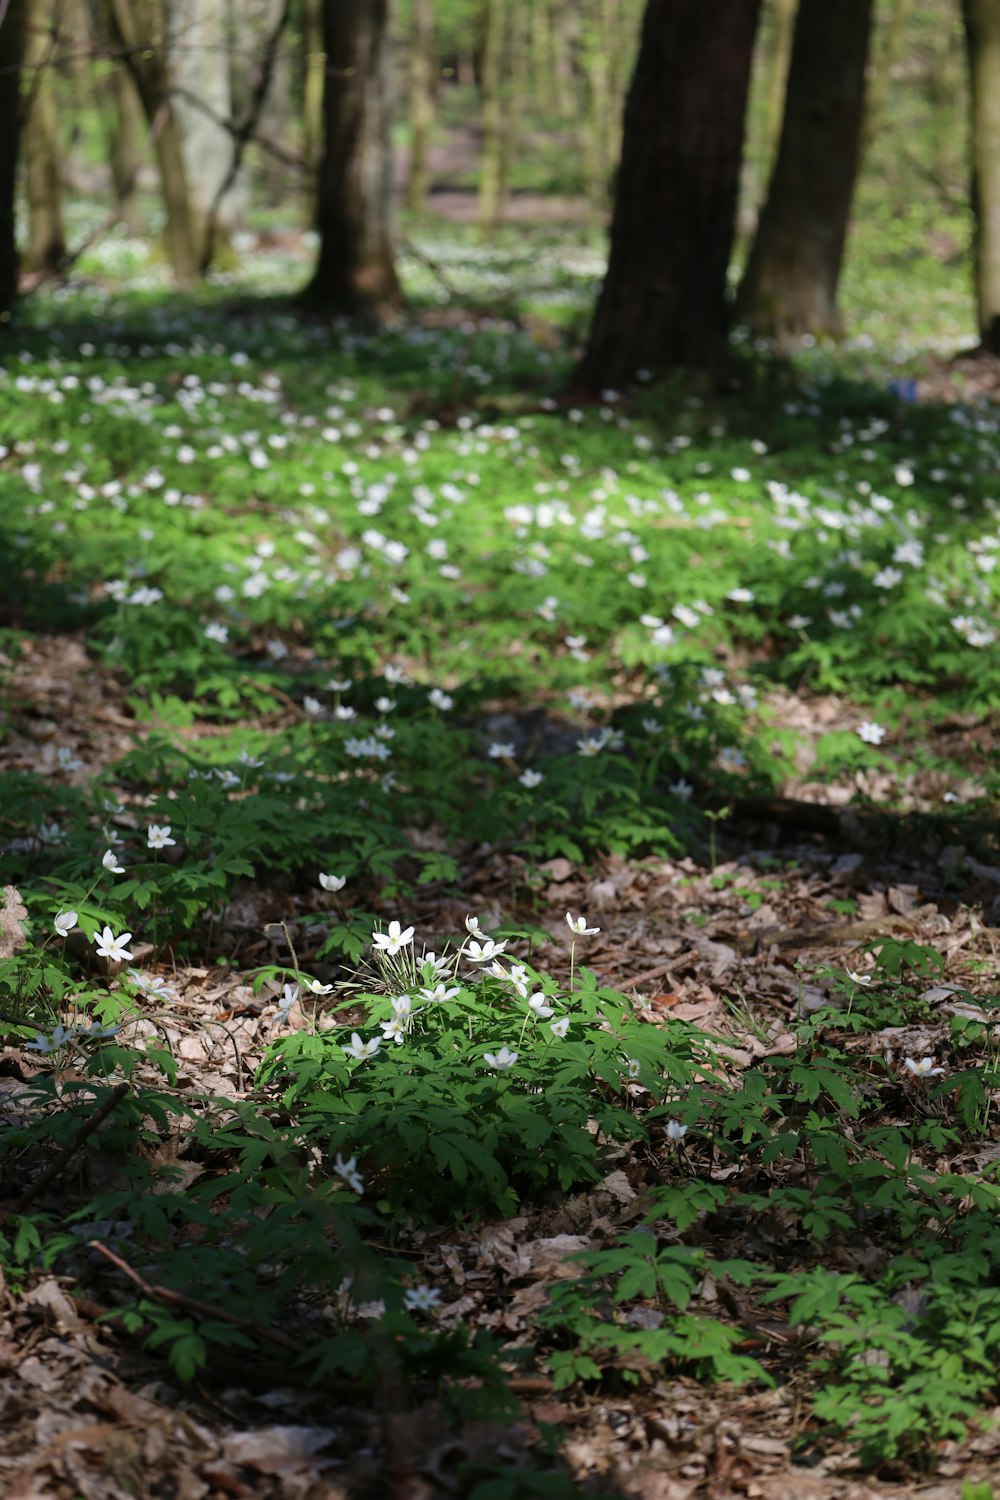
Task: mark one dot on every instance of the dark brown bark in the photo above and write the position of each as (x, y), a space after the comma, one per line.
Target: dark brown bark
(664, 297)
(789, 287)
(12, 37)
(982, 32)
(356, 272)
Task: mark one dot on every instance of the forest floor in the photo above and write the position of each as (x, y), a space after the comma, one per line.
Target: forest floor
(747, 936)
(87, 1416)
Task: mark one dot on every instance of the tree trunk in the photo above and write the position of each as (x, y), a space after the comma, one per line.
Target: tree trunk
(139, 31)
(312, 108)
(12, 40)
(46, 239)
(125, 150)
(490, 206)
(422, 105)
(880, 73)
(664, 297)
(777, 77)
(789, 287)
(199, 52)
(982, 33)
(356, 272)
(596, 116)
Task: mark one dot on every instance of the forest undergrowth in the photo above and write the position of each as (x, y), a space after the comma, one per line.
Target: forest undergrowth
(498, 965)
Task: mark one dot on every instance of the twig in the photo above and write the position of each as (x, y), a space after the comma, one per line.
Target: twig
(167, 1294)
(68, 1152)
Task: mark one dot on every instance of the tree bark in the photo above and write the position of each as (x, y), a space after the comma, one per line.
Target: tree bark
(664, 297)
(199, 48)
(312, 104)
(789, 287)
(422, 105)
(490, 204)
(43, 179)
(881, 71)
(125, 150)
(982, 33)
(356, 272)
(138, 28)
(12, 41)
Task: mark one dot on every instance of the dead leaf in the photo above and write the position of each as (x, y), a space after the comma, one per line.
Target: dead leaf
(12, 914)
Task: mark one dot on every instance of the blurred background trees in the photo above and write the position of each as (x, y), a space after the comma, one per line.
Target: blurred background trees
(202, 127)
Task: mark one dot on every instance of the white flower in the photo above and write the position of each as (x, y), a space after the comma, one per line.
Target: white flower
(438, 699)
(439, 993)
(113, 948)
(858, 978)
(579, 926)
(359, 1049)
(541, 1008)
(110, 862)
(634, 1067)
(481, 953)
(871, 733)
(559, 1028)
(498, 1061)
(394, 1030)
(157, 837)
(681, 789)
(349, 1172)
(317, 988)
(333, 882)
(313, 705)
(64, 922)
(472, 924)
(530, 779)
(500, 751)
(675, 1130)
(390, 942)
(421, 1298)
(385, 705)
(922, 1068)
(289, 996)
(45, 1044)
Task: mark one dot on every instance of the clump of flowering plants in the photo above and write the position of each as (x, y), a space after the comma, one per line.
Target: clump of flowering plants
(476, 1081)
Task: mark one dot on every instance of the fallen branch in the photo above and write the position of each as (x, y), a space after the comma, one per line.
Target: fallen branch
(157, 1293)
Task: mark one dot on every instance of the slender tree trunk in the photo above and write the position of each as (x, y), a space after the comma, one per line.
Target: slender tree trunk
(783, 13)
(982, 32)
(789, 287)
(596, 117)
(491, 205)
(312, 107)
(513, 92)
(199, 49)
(12, 41)
(561, 22)
(139, 30)
(422, 105)
(881, 71)
(664, 297)
(356, 272)
(125, 148)
(43, 178)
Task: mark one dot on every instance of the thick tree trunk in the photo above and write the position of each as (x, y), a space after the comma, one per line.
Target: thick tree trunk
(422, 105)
(664, 297)
(982, 32)
(789, 287)
(43, 179)
(783, 23)
(356, 272)
(138, 28)
(12, 40)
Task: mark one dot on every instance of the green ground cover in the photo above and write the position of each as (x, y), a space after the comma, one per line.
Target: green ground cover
(382, 605)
